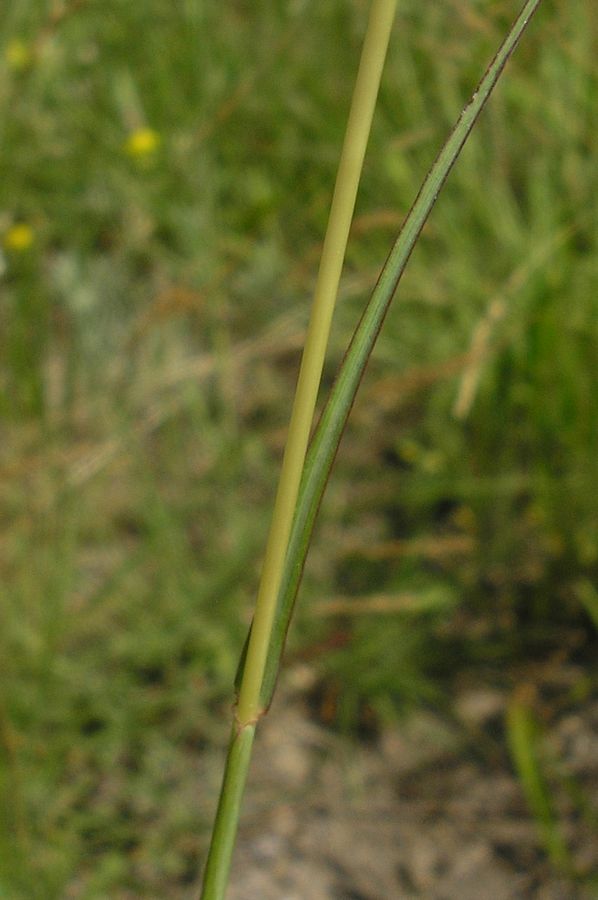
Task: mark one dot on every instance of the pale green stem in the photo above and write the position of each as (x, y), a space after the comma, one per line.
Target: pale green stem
(326, 290)
(225, 826)
(335, 242)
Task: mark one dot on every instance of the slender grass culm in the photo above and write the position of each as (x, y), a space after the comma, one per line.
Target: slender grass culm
(303, 477)
(333, 252)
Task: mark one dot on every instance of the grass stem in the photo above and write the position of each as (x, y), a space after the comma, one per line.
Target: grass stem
(326, 290)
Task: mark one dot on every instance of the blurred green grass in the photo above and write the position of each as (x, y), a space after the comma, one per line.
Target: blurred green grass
(164, 185)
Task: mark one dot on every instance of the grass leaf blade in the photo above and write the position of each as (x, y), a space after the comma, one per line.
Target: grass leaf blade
(328, 434)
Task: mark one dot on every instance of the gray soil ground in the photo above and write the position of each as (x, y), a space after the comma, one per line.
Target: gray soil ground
(417, 812)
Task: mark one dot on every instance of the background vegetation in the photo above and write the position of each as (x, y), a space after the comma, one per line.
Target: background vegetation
(165, 175)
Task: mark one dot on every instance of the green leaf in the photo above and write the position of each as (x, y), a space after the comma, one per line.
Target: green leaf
(327, 436)
(523, 739)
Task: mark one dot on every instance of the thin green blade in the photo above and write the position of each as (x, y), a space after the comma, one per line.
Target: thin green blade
(327, 436)
(523, 741)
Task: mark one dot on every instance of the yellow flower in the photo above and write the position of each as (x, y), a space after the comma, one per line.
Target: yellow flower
(19, 238)
(18, 55)
(142, 143)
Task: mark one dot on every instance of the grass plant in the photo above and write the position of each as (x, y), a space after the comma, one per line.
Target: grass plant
(523, 739)
(266, 623)
(155, 265)
(297, 504)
